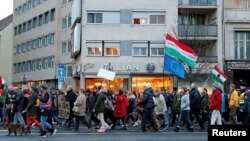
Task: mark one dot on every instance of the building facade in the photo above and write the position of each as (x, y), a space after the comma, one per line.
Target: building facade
(126, 37)
(200, 27)
(129, 37)
(41, 41)
(237, 40)
(6, 36)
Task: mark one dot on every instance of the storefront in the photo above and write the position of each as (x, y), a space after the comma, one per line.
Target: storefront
(238, 70)
(129, 77)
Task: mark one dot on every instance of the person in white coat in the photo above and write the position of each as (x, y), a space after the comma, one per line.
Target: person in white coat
(161, 106)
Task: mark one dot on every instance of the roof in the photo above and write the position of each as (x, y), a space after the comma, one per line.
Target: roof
(6, 21)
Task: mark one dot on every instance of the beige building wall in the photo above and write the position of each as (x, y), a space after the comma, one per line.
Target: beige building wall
(6, 38)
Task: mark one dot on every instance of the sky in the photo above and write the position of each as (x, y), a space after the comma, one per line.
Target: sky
(6, 8)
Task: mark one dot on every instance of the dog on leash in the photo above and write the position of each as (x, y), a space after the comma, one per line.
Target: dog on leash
(16, 127)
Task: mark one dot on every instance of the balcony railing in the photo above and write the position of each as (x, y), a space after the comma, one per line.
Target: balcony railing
(207, 59)
(197, 30)
(198, 2)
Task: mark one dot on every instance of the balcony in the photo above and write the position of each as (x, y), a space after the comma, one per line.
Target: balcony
(197, 31)
(198, 4)
(237, 15)
(207, 59)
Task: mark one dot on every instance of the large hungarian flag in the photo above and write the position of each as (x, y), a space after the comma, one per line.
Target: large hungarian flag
(177, 49)
(218, 75)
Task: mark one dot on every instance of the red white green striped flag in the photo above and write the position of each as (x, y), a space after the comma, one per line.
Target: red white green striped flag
(218, 75)
(177, 49)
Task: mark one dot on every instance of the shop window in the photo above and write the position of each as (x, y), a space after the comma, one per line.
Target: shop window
(114, 85)
(156, 83)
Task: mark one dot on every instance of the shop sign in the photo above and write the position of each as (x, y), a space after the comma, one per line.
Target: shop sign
(238, 65)
(26, 77)
(121, 67)
(150, 67)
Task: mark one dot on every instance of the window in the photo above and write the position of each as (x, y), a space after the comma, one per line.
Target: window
(157, 19)
(29, 45)
(23, 47)
(46, 17)
(46, 63)
(51, 62)
(16, 30)
(66, 47)
(156, 49)
(64, 2)
(46, 38)
(34, 42)
(52, 38)
(29, 24)
(242, 45)
(68, 70)
(40, 41)
(29, 5)
(52, 15)
(112, 49)
(34, 64)
(20, 28)
(19, 67)
(66, 22)
(40, 20)
(94, 48)
(34, 22)
(94, 17)
(144, 18)
(28, 66)
(24, 7)
(43, 41)
(40, 64)
(24, 67)
(24, 27)
(19, 48)
(140, 49)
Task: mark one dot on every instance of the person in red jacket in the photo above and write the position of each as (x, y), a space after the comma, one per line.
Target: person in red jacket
(121, 104)
(215, 104)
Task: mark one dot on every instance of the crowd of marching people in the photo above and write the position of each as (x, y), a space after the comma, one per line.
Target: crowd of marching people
(102, 109)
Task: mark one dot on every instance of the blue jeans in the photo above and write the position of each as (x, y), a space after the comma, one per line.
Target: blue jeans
(184, 114)
(19, 117)
(44, 123)
(166, 118)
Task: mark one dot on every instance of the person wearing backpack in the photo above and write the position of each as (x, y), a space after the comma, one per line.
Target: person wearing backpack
(46, 111)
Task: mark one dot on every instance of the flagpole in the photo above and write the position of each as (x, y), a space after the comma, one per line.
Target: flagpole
(206, 81)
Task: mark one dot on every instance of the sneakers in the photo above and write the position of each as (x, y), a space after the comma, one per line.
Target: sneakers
(43, 134)
(54, 132)
(101, 130)
(106, 126)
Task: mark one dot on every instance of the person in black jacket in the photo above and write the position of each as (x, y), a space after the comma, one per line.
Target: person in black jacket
(46, 111)
(195, 104)
(19, 105)
(148, 107)
(71, 98)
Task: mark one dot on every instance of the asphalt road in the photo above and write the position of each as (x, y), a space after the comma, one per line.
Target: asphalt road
(113, 135)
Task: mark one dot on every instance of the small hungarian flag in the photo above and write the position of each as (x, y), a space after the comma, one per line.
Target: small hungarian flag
(179, 50)
(218, 75)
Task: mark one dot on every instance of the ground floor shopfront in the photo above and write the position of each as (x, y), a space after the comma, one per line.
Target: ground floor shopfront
(238, 71)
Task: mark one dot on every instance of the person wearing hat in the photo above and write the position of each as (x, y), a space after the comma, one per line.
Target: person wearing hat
(148, 106)
(46, 111)
(216, 104)
(243, 90)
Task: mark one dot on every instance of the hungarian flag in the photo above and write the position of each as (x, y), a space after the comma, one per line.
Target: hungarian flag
(177, 49)
(3, 88)
(218, 75)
